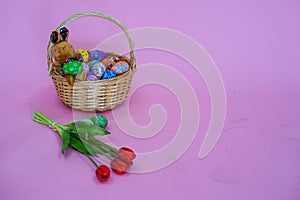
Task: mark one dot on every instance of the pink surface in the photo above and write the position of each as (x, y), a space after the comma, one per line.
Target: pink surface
(256, 47)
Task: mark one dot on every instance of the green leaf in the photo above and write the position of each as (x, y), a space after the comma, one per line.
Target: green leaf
(86, 127)
(97, 130)
(82, 147)
(78, 146)
(66, 141)
(89, 149)
(84, 123)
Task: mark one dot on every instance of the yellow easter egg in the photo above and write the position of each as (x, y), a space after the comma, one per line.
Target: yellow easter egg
(84, 55)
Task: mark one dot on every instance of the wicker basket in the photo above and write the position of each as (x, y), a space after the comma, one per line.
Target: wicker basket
(98, 95)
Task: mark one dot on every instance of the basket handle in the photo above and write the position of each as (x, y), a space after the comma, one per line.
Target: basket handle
(100, 15)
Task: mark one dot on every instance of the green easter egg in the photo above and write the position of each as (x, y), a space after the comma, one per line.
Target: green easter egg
(100, 121)
(73, 67)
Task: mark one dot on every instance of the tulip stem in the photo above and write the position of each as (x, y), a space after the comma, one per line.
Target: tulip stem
(92, 160)
(88, 146)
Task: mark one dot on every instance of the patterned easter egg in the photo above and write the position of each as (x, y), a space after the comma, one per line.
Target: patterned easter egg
(97, 55)
(112, 61)
(99, 120)
(108, 74)
(73, 67)
(85, 67)
(97, 68)
(84, 55)
(68, 60)
(105, 62)
(91, 77)
(120, 67)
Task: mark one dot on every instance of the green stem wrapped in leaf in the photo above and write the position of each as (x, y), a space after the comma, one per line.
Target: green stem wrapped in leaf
(80, 136)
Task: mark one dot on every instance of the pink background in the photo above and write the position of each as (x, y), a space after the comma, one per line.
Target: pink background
(256, 46)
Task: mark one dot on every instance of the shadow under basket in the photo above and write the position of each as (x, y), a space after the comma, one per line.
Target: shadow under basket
(100, 95)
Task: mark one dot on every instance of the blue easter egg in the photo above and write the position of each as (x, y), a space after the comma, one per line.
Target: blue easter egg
(85, 67)
(108, 74)
(96, 55)
(97, 68)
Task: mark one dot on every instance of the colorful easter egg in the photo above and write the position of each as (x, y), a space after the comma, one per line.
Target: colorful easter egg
(68, 60)
(97, 55)
(112, 61)
(120, 67)
(108, 74)
(105, 62)
(85, 67)
(73, 67)
(91, 77)
(99, 120)
(84, 55)
(97, 68)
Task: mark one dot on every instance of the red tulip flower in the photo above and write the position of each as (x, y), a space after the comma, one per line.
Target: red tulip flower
(103, 173)
(126, 155)
(128, 152)
(119, 166)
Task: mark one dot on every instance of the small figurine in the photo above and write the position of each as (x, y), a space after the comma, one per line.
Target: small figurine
(63, 51)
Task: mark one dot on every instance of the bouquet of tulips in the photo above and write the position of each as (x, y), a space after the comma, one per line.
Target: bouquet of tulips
(80, 135)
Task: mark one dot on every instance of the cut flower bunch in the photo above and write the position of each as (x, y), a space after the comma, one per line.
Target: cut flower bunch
(80, 135)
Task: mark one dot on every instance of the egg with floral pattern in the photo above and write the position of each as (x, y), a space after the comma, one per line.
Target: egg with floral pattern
(120, 67)
(72, 68)
(91, 77)
(84, 55)
(97, 68)
(96, 55)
